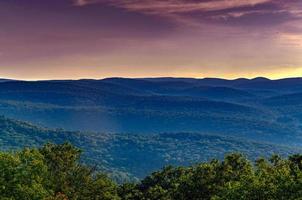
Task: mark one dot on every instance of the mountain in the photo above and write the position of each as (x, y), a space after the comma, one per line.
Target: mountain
(293, 99)
(217, 93)
(254, 109)
(136, 155)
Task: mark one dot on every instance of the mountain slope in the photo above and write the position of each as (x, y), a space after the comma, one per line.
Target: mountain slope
(219, 93)
(239, 108)
(132, 154)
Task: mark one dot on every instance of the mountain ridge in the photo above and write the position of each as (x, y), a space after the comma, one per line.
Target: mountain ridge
(228, 107)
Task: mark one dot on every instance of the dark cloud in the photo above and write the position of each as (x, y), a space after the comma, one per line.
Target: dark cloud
(231, 12)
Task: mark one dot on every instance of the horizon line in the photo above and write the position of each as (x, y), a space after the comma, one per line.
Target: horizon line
(147, 77)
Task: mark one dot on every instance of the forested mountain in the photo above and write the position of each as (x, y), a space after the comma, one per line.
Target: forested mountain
(129, 128)
(135, 155)
(255, 109)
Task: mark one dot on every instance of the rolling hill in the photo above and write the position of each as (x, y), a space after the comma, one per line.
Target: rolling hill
(133, 155)
(255, 109)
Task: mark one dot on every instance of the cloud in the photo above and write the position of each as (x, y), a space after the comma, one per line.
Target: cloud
(293, 40)
(196, 12)
(80, 2)
(279, 20)
(174, 6)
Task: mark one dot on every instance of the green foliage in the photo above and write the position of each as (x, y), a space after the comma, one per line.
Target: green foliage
(23, 175)
(231, 179)
(52, 172)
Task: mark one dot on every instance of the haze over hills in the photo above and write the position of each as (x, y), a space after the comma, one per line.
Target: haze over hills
(132, 156)
(176, 121)
(255, 109)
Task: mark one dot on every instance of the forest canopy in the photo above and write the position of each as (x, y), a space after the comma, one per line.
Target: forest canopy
(54, 172)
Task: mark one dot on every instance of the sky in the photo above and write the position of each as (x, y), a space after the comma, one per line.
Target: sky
(73, 39)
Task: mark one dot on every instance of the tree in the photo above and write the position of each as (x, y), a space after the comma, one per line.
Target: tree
(23, 175)
(69, 177)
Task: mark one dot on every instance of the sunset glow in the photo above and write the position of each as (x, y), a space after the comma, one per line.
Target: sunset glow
(72, 39)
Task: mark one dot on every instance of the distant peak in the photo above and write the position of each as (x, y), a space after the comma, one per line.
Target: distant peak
(260, 79)
(241, 79)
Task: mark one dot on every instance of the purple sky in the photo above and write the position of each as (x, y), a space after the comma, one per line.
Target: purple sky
(58, 39)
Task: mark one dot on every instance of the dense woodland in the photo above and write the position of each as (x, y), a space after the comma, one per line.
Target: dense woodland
(53, 172)
(129, 157)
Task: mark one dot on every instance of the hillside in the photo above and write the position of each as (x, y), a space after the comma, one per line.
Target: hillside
(132, 155)
(255, 109)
